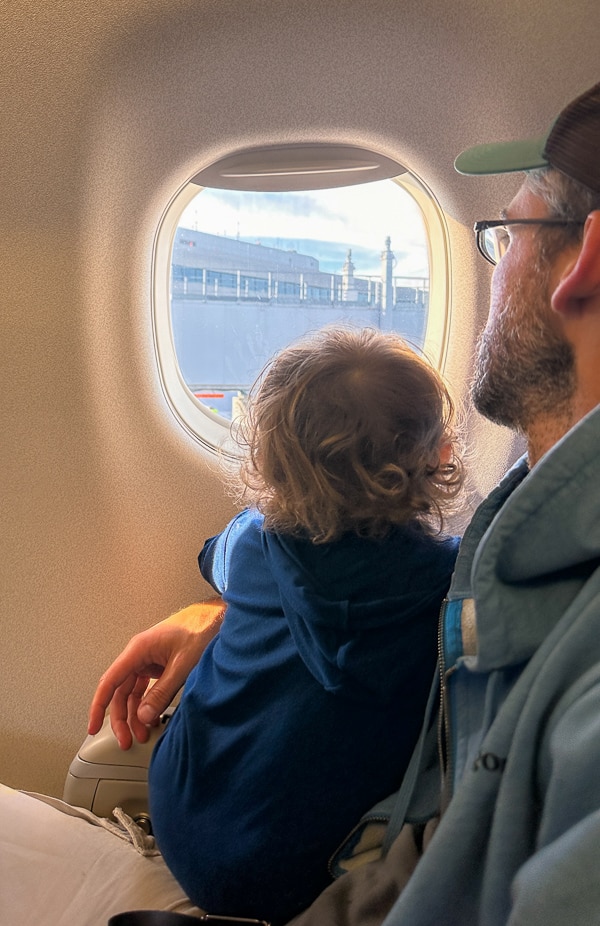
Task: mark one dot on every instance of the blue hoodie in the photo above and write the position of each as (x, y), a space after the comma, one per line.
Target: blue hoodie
(302, 712)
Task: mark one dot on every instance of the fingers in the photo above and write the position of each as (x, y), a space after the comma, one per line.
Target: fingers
(102, 698)
(159, 696)
(122, 688)
(120, 680)
(167, 652)
(123, 714)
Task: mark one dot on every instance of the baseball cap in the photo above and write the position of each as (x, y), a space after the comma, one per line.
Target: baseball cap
(572, 145)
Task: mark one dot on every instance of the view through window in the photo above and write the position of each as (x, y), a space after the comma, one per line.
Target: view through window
(251, 272)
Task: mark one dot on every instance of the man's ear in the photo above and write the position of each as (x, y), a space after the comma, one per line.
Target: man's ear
(581, 282)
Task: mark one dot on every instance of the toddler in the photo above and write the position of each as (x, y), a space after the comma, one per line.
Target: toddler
(304, 710)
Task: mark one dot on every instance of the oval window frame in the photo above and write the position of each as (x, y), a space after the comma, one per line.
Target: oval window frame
(284, 168)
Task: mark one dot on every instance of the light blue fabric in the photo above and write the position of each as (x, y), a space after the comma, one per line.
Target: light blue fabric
(519, 843)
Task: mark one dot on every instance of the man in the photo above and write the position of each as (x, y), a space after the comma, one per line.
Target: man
(519, 731)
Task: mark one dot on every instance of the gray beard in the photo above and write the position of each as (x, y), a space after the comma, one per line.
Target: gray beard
(524, 370)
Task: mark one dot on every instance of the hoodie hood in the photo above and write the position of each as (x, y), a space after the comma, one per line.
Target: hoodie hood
(357, 603)
(544, 543)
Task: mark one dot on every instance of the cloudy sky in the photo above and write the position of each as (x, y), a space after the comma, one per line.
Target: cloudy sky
(322, 223)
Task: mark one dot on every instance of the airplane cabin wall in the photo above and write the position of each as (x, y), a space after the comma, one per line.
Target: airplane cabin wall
(110, 108)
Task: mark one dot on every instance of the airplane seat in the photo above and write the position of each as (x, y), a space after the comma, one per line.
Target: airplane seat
(102, 776)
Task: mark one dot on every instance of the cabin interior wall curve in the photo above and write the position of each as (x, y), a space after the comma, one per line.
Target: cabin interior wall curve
(110, 108)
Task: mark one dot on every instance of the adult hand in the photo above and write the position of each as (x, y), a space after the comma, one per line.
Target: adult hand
(167, 652)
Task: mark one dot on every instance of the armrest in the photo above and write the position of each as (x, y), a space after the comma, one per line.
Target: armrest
(102, 776)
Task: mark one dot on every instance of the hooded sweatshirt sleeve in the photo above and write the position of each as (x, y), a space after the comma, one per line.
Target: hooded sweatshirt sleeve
(215, 557)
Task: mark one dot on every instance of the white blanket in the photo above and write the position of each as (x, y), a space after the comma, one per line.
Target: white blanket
(63, 866)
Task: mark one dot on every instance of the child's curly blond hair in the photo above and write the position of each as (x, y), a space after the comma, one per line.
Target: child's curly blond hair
(349, 430)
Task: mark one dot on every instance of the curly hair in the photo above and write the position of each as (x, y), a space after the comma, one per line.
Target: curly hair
(349, 430)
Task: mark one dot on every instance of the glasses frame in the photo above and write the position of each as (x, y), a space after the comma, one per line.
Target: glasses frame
(481, 227)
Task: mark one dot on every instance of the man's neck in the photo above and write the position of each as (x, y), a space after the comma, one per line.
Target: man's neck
(546, 432)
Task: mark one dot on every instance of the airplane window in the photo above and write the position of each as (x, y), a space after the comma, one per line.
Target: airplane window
(250, 271)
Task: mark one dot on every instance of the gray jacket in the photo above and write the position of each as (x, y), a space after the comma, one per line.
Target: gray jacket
(519, 842)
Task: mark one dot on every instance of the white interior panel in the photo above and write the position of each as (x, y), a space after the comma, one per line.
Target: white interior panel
(108, 109)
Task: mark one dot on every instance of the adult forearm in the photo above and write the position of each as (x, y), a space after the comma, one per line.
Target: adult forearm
(166, 652)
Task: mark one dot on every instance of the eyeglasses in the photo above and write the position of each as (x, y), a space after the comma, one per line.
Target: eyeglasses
(493, 238)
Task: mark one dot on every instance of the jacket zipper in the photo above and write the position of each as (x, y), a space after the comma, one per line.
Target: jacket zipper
(444, 750)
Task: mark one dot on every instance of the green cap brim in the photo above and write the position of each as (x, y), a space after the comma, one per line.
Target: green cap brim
(503, 157)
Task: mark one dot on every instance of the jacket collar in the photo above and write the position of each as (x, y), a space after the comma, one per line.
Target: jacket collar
(539, 541)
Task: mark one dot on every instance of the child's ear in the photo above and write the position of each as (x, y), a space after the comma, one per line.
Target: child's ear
(580, 283)
(446, 453)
